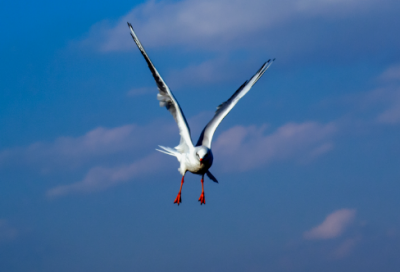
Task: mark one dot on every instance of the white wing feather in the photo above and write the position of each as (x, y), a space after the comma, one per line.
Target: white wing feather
(223, 109)
(167, 100)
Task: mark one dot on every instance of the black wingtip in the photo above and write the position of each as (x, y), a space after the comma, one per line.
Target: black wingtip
(265, 63)
(129, 24)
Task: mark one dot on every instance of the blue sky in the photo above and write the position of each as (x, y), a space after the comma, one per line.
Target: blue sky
(308, 161)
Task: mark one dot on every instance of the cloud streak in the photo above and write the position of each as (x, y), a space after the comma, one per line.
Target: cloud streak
(94, 146)
(288, 28)
(386, 101)
(239, 149)
(101, 178)
(346, 247)
(244, 148)
(391, 74)
(390, 95)
(333, 226)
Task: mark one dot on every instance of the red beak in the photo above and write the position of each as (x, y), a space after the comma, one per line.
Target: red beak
(201, 161)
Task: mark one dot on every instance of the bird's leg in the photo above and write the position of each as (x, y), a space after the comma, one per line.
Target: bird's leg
(202, 198)
(178, 198)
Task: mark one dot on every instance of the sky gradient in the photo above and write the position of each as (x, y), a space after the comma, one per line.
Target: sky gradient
(308, 162)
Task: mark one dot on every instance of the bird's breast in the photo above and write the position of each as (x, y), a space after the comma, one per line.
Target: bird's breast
(196, 167)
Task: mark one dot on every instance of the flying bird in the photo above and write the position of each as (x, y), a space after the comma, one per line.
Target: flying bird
(194, 158)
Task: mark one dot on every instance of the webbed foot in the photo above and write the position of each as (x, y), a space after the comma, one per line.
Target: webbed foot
(202, 199)
(178, 199)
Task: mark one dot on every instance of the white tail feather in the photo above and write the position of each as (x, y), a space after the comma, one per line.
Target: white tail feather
(169, 151)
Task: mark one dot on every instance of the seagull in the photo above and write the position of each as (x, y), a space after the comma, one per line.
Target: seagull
(194, 158)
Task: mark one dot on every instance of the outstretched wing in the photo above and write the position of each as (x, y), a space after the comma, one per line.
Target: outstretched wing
(223, 109)
(167, 99)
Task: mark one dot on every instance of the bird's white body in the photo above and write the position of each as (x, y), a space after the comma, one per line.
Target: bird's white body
(190, 161)
(196, 159)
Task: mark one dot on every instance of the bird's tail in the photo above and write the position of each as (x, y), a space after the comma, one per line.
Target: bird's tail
(210, 176)
(169, 151)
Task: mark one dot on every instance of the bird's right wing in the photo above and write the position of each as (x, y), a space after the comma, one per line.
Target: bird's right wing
(167, 99)
(223, 109)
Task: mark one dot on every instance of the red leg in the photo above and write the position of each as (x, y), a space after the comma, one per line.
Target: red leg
(178, 198)
(202, 198)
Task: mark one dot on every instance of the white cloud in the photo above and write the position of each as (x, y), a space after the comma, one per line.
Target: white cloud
(100, 178)
(319, 150)
(391, 73)
(391, 97)
(215, 23)
(391, 115)
(254, 149)
(382, 104)
(346, 247)
(243, 148)
(128, 138)
(387, 100)
(333, 226)
(207, 72)
(94, 143)
(97, 144)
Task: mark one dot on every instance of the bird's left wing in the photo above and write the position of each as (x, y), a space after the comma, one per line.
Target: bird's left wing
(167, 99)
(223, 109)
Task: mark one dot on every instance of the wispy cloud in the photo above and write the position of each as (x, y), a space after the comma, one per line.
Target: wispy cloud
(387, 100)
(255, 150)
(243, 148)
(195, 22)
(208, 72)
(392, 114)
(333, 226)
(284, 27)
(346, 247)
(391, 74)
(321, 149)
(380, 105)
(390, 95)
(100, 178)
(97, 144)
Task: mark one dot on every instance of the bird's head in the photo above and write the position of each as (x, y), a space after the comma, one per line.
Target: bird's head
(202, 154)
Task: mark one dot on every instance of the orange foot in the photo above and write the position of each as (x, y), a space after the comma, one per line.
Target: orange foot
(178, 199)
(202, 199)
